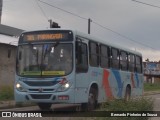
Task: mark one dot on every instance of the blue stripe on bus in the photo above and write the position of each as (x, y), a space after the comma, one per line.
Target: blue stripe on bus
(57, 79)
(119, 82)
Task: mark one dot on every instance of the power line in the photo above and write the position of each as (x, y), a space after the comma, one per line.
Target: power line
(130, 39)
(146, 3)
(104, 27)
(42, 10)
(63, 10)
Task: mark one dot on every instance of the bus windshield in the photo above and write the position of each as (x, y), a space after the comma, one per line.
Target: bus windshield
(45, 59)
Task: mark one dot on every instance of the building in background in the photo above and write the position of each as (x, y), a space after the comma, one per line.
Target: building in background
(8, 39)
(152, 72)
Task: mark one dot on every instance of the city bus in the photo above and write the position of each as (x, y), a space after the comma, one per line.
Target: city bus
(66, 66)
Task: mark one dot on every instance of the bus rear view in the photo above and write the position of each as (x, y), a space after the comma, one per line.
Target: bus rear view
(44, 68)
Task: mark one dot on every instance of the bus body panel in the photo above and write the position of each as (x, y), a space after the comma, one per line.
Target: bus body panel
(111, 84)
(81, 90)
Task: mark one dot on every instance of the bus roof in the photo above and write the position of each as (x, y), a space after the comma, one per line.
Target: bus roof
(90, 37)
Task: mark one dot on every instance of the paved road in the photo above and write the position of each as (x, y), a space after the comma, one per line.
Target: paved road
(156, 98)
(36, 109)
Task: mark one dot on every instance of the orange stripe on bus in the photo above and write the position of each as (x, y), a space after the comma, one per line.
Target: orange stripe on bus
(106, 85)
(132, 80)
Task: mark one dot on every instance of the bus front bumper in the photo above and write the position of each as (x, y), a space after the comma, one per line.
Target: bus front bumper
(55, 97)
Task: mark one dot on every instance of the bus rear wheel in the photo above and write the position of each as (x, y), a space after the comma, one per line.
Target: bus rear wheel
(127, 94)
(44, 106)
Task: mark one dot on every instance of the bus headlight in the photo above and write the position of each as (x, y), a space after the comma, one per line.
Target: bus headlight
(64, 86)
(19, 87)
(67, 85)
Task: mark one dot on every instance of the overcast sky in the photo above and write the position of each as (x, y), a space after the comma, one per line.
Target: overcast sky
(137, 22)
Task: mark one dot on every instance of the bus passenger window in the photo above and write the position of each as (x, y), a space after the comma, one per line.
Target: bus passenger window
(138, 64)
(93, 54)
(115, 58)
(131, 60)
(123, 60)
(104, 56)
(81, 57)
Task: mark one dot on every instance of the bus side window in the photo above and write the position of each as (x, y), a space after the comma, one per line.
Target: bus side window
(104, 56)
(131, 63)
(123, 60)
(94, 54)
(115, 58)
(81, 57)
(138, 64)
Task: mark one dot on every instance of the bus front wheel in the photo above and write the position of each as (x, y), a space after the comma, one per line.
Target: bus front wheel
(44, 106)
(92, 101)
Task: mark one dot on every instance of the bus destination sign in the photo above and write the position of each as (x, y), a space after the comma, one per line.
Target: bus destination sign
(43, 37)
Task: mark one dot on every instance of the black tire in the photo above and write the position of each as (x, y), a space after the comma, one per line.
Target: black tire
(84, 107)
(92, 101)
(127, 94)
(44, 106)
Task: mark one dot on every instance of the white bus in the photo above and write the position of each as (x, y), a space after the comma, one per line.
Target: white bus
(66, 66)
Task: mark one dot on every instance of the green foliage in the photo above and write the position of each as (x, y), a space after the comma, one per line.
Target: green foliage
(151, 87)
(6, 93)
(138, 104)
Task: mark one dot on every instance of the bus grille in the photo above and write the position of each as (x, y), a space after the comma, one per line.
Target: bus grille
(46, 96)
(41, 83)
(44, 90)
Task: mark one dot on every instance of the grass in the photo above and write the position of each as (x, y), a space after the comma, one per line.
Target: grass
(139, 104)
(151, 87)
(6, 93)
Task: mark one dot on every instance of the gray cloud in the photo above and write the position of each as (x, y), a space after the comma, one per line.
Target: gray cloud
(136, 21)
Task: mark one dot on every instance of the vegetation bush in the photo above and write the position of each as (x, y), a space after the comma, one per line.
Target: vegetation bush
(151, 87)
(6, 93)
(134, 105)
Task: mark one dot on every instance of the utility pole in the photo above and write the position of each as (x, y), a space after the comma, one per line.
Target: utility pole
(50, 23)
(89, 25)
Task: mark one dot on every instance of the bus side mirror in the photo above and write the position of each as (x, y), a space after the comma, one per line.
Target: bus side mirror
(20, 55)
(9, 53)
